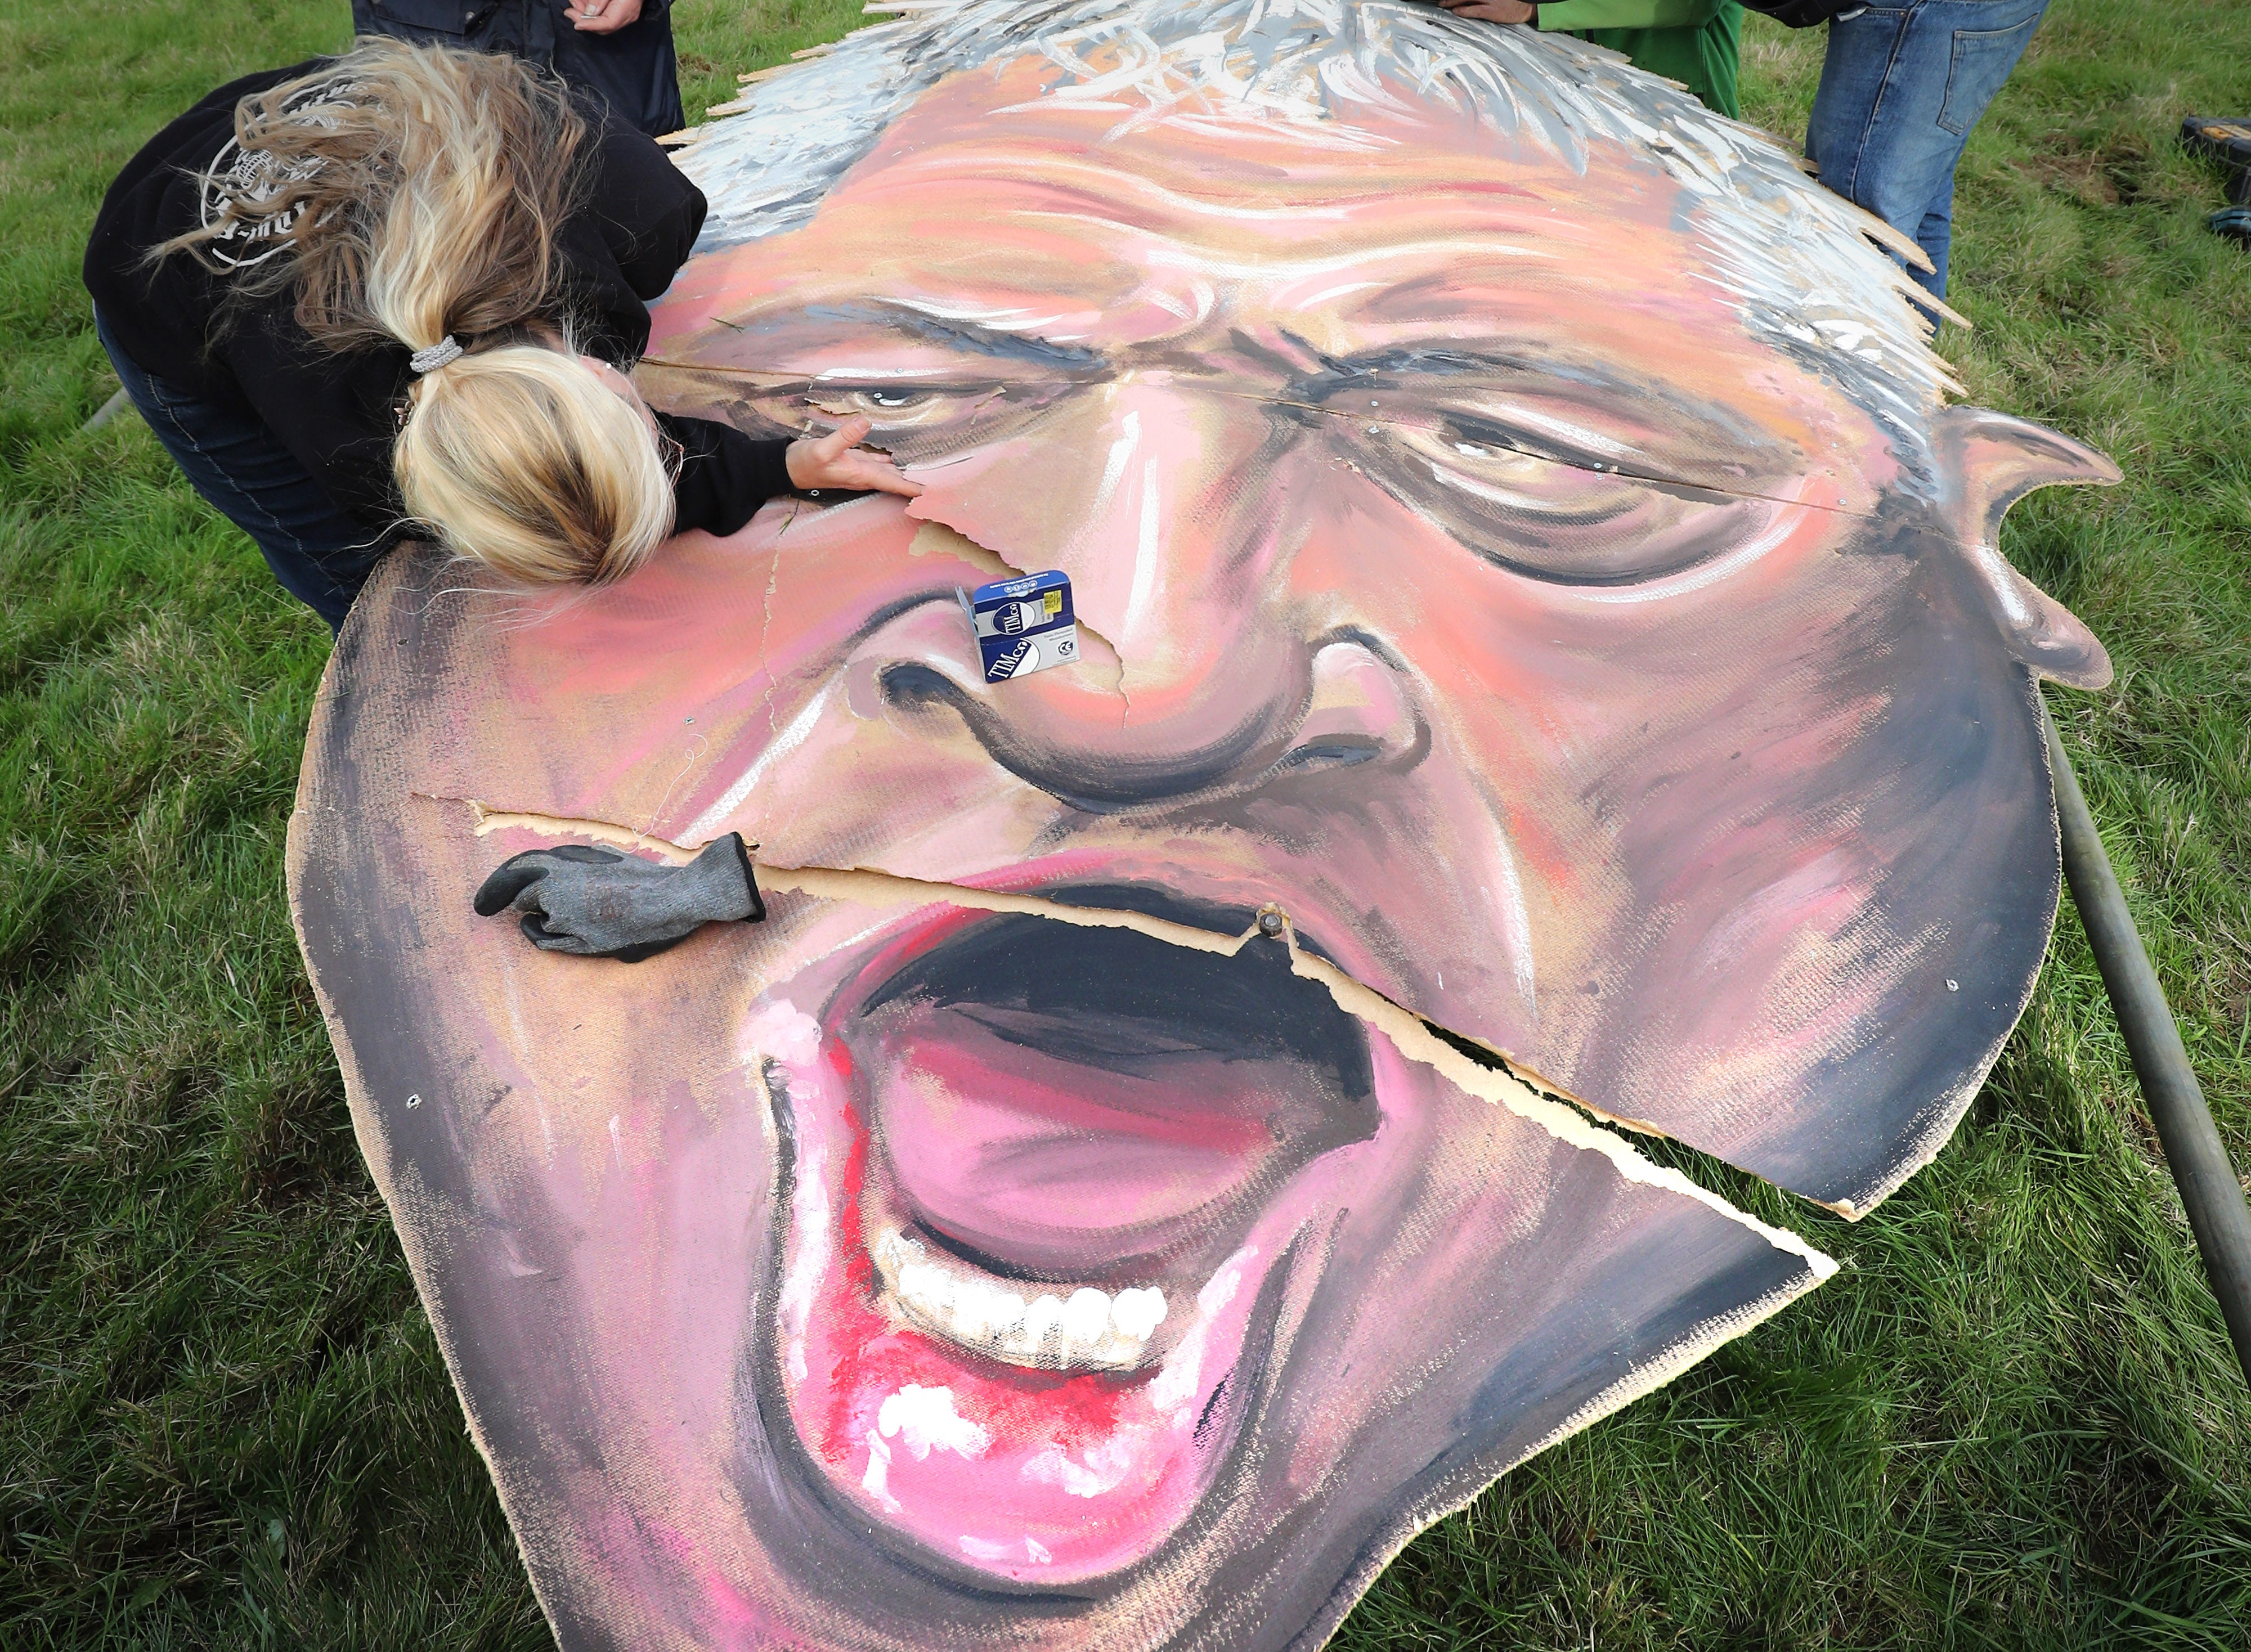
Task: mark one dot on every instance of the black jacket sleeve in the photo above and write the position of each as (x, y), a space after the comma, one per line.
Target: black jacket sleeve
(636, 227)
(639, 226)
(724, 475)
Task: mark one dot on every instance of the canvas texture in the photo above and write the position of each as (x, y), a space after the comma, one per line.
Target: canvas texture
(1522, 545)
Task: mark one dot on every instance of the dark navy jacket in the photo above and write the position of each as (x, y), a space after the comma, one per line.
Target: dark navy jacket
(633, 69)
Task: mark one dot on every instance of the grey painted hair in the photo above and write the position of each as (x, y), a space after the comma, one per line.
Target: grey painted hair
(1796, 260)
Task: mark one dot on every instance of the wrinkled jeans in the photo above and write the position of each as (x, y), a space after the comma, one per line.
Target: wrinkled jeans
(320, 556)
(1903, 83)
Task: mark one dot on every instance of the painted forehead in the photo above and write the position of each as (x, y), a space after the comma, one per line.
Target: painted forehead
(1372, 91)
(1277, 259)
(1068, 199)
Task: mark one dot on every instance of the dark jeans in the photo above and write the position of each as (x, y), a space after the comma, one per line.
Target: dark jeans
(320, 556)
(634, 69)
(1903, 83)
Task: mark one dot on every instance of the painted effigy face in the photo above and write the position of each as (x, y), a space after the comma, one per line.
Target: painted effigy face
(1575, 667)
(1466, 567)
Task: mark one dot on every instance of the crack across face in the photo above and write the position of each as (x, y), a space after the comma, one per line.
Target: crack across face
(1056, 1159)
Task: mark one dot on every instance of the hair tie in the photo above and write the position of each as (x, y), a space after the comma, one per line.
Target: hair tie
(446, 349)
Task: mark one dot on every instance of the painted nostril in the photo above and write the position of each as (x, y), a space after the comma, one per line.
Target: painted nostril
(1213, 718)
(1334, 752)
(1361, 707)
(912, 688)
(918, 656)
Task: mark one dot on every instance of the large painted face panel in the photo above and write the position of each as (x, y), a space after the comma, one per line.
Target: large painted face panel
(740, 1255)
(1456, 533)
(996, 1246)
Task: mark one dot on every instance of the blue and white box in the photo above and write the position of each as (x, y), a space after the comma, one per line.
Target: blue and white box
(1024, 624)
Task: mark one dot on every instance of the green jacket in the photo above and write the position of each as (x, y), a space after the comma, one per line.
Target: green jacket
(1695, 41)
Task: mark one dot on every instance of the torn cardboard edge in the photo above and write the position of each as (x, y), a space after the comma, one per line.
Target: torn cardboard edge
(1508, 1084)
(1501, 1086)
(1696, 1344)
(935, 538)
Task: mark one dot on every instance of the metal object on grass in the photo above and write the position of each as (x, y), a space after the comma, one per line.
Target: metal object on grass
(2213, 1199)
(109, 410)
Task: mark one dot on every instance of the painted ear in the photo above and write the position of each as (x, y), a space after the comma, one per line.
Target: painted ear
(1991, 461)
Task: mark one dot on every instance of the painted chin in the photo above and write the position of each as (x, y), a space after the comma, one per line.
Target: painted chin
(1043, 1193)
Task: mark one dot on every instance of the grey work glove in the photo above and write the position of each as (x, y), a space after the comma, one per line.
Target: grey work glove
(599, 903)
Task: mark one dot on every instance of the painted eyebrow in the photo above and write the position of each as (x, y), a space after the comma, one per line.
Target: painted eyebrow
(1410, 362)
(1450, 361)
(1330, 374)
(973, 337)
(964, 333)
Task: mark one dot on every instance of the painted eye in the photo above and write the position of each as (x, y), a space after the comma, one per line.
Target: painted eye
(1576, 520)
(907, 408)
(917, 415)
(1501, 453)
(880, 400)
(1505, 477)
(921, 422)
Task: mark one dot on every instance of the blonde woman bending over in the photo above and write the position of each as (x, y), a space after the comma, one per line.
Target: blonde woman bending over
(395, 288)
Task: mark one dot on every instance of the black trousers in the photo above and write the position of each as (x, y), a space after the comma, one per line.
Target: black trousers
(634, 70)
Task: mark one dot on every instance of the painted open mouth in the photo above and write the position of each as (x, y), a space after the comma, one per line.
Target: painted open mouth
(1046, 1181)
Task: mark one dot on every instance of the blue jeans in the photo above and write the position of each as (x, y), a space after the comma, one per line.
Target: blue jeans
(1902, 84)
(320, 556)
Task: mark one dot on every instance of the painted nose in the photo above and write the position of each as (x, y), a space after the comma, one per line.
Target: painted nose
(1266, 704)
(1205, 671)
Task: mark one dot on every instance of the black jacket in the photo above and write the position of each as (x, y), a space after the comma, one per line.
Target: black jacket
(336, 413)
(1793, 14)
(634, 69)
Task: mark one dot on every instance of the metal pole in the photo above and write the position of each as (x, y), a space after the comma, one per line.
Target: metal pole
(2209, 1191)
(108, 410)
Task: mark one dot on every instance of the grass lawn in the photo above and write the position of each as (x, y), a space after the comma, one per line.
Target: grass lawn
(2012, 1418)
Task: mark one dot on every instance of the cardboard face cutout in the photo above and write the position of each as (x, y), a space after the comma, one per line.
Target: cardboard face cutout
(1518, 542)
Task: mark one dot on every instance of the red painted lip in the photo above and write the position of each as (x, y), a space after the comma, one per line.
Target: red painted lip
(1048, 1110)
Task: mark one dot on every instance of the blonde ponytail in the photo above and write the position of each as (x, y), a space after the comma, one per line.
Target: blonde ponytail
(523, 459)
(420, 190)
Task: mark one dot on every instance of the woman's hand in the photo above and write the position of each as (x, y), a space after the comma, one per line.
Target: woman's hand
(602, 16)
(837, 461)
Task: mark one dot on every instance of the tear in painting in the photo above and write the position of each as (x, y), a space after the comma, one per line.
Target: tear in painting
(1516, 530)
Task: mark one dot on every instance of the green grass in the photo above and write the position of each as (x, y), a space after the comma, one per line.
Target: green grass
(2011, 1419)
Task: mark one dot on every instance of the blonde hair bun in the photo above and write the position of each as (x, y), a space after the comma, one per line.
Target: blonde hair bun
(523, 459)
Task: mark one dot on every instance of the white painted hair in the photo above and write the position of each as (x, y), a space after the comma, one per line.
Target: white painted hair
(1800, 263)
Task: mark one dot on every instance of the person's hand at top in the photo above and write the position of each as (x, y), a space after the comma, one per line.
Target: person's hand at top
(1493, 10)
(602, 16)
(837, 461)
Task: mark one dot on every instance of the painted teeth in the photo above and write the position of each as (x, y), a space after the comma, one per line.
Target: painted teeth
(1087, 1330)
